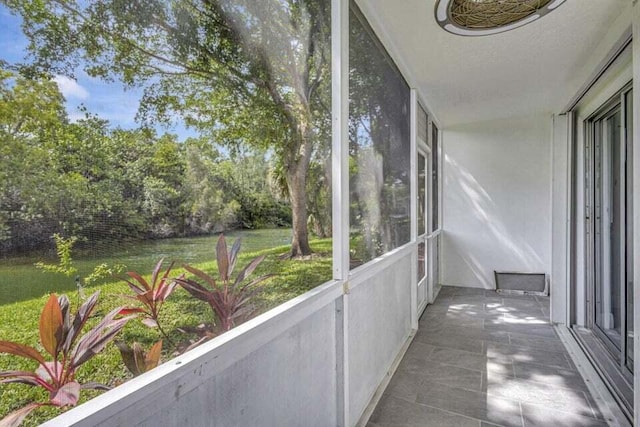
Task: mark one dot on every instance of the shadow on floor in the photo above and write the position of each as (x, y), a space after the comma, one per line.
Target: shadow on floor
(484, 359)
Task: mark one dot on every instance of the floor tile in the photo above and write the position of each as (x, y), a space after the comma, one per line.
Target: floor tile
(393, 411)
(404, 385)
(474, 346)
(483, 359)
(540, 416)
(567, 378)
(544, 331)
(439, 321)
(468, 360)
(419, 350)
(470, 291)
(473, 404)
(442, 374)
(464, 333)
(547, 395)
(535, 342)
(527, 355)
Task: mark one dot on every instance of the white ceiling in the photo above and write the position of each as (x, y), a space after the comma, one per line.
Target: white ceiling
(534, 69)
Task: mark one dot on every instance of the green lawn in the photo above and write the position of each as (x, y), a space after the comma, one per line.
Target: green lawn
(19, 319)
(20, 280)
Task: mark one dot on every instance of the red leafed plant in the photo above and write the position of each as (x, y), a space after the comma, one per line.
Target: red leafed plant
(152, 295)
(136, 360)
(228, 299)
(60, 337)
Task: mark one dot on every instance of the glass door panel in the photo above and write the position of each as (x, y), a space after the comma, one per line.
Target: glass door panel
(613, 234)
(608, 227)
(628, 190)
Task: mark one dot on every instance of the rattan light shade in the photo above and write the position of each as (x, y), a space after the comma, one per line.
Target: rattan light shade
(492, 13)
(483, 17)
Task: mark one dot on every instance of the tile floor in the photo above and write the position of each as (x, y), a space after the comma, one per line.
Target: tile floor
(484, 359)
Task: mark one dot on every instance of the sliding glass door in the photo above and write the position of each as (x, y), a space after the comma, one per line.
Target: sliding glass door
(611, 305)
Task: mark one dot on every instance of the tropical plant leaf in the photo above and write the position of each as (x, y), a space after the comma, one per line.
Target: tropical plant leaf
(153, 356)
(138, 278)
(15, 418)
(165, 290)
(135, 359)
(136, 289)
(129, 357)
(246, 272)
(79, 320)
(256, 281)
(227, 302)
(156, 270)
(201, 274)
(49, 371)
(233, 255)
(195, 289)
(133, 310)
(58, 335)
(222, 258)
(23, 377)
(95, 340)
(21, 350)
(67, 395)
(51, 325)
(92, 385)
(65, 306)
(152, 295)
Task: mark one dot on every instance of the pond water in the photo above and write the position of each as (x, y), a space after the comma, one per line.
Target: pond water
(21, 280)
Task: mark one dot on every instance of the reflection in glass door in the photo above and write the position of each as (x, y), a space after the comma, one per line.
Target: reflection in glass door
(612, 242)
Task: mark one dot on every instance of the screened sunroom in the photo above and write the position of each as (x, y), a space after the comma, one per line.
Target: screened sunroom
(467, 168)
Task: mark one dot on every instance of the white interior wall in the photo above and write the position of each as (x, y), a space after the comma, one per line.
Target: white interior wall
(496, 199)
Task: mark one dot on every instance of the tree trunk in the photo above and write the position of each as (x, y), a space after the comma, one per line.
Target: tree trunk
(298, 167)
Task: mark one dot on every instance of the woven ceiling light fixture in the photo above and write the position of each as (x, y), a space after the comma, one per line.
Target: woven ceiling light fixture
(484, 17)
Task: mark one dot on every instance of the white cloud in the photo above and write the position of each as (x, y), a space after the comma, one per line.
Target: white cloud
(70, 88)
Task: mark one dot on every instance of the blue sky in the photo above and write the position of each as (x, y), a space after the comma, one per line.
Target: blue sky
(110, 101)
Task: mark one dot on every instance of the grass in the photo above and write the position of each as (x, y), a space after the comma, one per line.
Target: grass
(19, 319)
(21, 281)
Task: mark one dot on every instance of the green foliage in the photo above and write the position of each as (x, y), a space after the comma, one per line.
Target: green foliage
(229, 299)
(65, 261)
(241, 72)
(60, 338)
(103, 271)
(180, 312)
(66, 266)
(99, 184)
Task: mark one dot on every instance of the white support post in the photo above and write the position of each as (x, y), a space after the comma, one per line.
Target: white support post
(560, 215)
(413, 182)
(569, 292)
(636, 204)
(340, 194)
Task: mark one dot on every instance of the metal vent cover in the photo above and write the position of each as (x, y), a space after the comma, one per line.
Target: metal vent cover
(521, 283)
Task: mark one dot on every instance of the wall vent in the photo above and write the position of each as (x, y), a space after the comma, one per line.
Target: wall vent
(522, 283)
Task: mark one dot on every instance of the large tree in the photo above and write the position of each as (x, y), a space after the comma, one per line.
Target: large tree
(245, 71)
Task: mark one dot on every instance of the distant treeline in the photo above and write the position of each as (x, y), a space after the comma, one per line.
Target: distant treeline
(88, 180)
